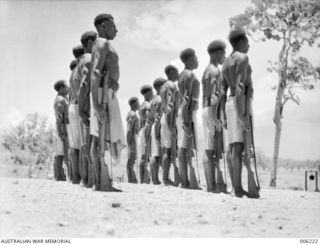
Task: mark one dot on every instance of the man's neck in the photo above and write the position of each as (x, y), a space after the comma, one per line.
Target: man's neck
(214, 62)
(188, 68)
(101, 35)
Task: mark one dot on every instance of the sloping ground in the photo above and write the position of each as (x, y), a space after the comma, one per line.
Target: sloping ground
(47, 208)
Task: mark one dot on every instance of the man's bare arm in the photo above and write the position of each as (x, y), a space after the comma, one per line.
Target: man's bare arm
(61, 106)
(98, 61)
(241, 71)
(223, 100)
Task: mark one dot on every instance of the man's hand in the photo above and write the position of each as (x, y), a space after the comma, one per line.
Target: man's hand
(218, 125)
(102, 113)
(244, 123)
(64, 137)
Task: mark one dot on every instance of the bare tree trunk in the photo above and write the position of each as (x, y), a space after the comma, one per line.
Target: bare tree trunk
(282, 72)
(276, 147)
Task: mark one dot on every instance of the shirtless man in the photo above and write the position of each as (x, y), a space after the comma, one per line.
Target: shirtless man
(147, 92)
(154, 131)
(189, 88)
(74, 118)
(236, 74)
(60, 109)
(211, 80)
(105, 111)
(73, 64)
(133, 126)
(83, 73)
(170, 102)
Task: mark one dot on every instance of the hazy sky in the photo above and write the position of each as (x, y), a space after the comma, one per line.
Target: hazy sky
(37, 38)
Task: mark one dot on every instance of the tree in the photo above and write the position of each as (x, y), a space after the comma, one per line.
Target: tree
(30, 143)
(294, 23)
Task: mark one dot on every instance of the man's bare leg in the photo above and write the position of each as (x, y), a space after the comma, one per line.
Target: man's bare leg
(142, 168)
(84, 166)
(166, 162)
(229, 163)
(96, 163)
(130, 171)
(154, 167)
(209, 170)
(183, 166)
(237, 151)
(59, 169)
(74, 157)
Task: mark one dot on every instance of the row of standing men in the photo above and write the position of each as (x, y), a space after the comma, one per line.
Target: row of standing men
(164, 129)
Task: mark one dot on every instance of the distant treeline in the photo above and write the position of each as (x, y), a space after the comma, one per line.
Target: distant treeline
(29, 147)
(266, 162)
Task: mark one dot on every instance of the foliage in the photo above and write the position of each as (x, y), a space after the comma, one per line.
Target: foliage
(30, 143)
(296, 23)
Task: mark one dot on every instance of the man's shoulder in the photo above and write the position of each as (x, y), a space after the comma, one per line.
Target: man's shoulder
(186, 73)
(239, 57)
(132, 114)
(60, 99)
(86, 58)
(211, 70)
(144, 105)
(101, 43)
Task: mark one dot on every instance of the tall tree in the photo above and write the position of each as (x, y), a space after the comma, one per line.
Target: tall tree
(294, 23)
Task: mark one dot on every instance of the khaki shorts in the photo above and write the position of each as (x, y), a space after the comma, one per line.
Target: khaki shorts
(155, 144)
(208, 128)
(235, 129)
(74, 132)
(165, 133)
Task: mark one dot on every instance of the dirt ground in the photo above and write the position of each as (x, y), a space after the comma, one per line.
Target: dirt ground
(42, 208)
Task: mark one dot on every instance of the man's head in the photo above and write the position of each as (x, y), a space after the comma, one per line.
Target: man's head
(172, 73)
(134, 103)
(105, 26)
(239, 40)
(61, 87)
(87, 39)
(157, 84)
(189, 58)
(147, 92)
(217, 51)
(78, 51)
(73, 64)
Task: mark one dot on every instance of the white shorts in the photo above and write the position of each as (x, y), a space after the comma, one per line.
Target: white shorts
(182, 135)
(165, 133)
(74, 127)
(142, 141)
(234, 128)
(155, 144)
(58, 145)
(94, 127)
(208, 128)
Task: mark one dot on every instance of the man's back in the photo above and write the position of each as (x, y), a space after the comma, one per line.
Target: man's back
(233, 66)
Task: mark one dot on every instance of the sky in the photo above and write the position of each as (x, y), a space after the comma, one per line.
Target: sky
(37, 38)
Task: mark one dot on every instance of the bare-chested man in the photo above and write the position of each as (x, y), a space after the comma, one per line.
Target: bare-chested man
(61, 110)
(133, 126)
(73, 64)
(83, 73)
(211, 83)
(147, 92)
(189, 88)
(105, 111)
(170, 102)
(236, 74)
(74, 118)
(154, 131)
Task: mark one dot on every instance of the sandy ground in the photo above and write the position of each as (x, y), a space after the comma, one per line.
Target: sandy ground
(45, 208)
